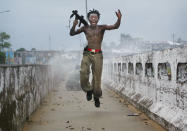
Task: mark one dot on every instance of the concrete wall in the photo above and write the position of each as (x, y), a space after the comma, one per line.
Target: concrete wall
(155, 82)
(22, 89)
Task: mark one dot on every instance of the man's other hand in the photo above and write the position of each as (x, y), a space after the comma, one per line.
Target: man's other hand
(118, 14)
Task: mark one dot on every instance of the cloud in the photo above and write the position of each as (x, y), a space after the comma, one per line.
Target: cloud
(31, 22)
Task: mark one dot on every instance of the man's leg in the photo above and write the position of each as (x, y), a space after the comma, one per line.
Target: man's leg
(84, 76)
(97, 73)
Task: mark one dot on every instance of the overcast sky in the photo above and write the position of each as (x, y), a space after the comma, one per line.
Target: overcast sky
(31, 22)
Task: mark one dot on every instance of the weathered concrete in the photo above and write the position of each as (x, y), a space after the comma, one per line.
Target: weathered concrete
(22, 89)
(155, 82)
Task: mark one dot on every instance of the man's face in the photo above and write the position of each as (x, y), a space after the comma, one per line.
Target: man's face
(93, 19)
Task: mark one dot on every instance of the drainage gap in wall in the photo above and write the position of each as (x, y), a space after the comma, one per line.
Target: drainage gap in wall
(119, 67)
(119, 71)
(164, 71)
(149, 71)
(139, 68)
(182, 73)
(130, 68)
(124, 67)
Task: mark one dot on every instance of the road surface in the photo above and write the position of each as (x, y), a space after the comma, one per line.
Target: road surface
(65, 110)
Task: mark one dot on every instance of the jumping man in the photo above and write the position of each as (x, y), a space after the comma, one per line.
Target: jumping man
(92, 55)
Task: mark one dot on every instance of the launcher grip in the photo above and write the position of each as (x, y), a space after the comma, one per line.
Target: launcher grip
(80, 18)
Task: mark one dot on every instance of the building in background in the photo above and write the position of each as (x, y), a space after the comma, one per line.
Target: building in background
(9, 56)
(35, 57)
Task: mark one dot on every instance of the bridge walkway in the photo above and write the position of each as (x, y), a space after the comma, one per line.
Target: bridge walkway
(64, 110)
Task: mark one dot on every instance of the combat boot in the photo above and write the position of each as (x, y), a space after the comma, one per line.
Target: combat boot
(97, 102)
(89, 95)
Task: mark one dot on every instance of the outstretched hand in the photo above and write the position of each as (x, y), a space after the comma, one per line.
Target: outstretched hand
(118, 14)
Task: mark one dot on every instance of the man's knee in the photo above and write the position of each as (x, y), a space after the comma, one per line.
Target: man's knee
(84, 71)
(84, 76)
(84, 80)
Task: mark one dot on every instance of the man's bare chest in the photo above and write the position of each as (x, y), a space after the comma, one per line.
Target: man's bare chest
(94, 32)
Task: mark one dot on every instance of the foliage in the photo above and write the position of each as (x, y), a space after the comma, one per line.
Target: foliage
(2, 58)
(4, 37)
(21, 49)
(33, 49)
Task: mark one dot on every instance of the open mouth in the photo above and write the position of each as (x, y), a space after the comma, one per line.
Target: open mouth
(93, 23)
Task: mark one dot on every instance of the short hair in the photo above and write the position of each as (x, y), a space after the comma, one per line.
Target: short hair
(93, 12)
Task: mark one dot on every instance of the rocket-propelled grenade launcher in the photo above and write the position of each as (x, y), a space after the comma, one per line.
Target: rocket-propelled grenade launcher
(78, 17)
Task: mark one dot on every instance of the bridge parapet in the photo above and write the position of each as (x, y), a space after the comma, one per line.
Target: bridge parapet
(22, 88)
(155, 82)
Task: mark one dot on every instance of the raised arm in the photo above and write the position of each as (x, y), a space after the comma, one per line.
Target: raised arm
(116, 25)
(78, 31)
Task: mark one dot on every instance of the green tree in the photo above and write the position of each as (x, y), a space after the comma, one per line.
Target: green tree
(2, 57)
(33, 49)
(4, 37)
(21, 49)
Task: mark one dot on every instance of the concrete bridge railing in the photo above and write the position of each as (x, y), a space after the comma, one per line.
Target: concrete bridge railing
(22, 88)
(155, 82)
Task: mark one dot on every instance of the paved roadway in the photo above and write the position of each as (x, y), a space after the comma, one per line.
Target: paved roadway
(65, 110)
